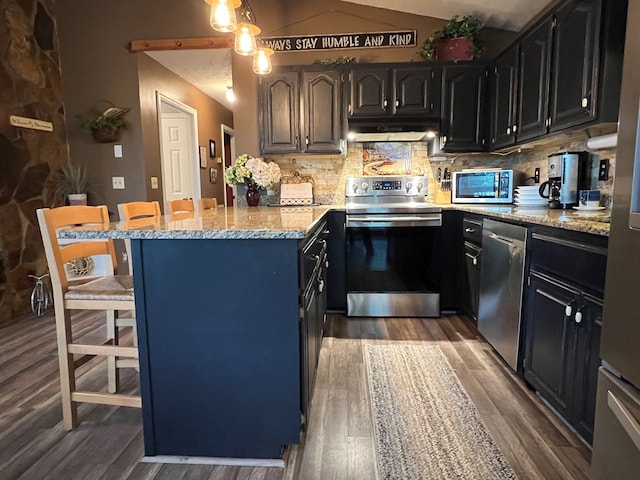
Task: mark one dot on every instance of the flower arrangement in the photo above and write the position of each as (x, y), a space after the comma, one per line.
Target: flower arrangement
(252, 171)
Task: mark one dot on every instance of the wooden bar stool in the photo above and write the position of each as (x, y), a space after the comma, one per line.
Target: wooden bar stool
(181, 206)
(207, 204)
(110, 293)
(134, 211)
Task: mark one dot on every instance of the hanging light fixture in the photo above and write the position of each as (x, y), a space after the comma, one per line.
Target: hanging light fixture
(262, 61)
(223, 14)
(246, 32)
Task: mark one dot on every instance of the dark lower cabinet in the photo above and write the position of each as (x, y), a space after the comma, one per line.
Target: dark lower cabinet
(337, 283)
(313, 308)
(563, 318)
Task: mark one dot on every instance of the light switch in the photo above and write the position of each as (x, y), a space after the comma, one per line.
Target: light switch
(118, 183)
(117, 151)
(154, 182)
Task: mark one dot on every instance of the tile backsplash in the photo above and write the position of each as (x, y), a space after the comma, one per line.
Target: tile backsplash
(330, 171)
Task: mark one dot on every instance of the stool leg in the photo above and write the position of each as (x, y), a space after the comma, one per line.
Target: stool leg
(67, 369)
(112, 370)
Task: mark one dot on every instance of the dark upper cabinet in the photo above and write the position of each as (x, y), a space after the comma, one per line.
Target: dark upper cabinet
(322, 111)
(301, 112)
(533, 81)
(463, 96)
(369, 91)
(416, 90)
(504, 91)
(394, 90)
(575, 61)
(279, 101)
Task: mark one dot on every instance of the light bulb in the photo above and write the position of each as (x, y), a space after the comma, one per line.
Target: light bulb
(230, 96)
(223, 15)
(246, 39)
(262, 61)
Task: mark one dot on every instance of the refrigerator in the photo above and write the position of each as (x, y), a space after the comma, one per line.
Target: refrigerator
(616, 444)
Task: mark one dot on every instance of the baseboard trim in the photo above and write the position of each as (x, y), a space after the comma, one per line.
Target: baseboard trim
(239, 462)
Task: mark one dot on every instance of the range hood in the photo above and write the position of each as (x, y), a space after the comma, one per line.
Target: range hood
(380, 129)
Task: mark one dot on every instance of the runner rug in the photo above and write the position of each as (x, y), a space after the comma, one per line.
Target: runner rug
(425, 425)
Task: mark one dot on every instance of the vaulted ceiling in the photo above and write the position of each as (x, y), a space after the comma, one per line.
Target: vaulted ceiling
(210, 70)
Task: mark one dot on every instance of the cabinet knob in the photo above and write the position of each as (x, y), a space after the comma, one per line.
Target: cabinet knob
(306, 140)
(321, 286)
(578, 317)
(508, 130)
(469, 230)
(585, 102)
(475, 260)
(384, 104)
(514, 128)
(397, 103)
(568, 310)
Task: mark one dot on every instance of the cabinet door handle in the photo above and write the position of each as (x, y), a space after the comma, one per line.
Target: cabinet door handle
(625, 417)
(567, 311)
(321, 286)
(474, 260)
(397, 103)
(578, 317)
(553, 298)
(306, 140)
(350, 110)
(384, 104)
(469, 230)
(508, 130)
(514, 129)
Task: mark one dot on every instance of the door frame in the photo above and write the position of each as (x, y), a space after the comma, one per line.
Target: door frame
(232, 134)
(192, 130)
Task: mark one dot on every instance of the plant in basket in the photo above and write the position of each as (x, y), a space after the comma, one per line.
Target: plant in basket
(458, 40)
(105, 125)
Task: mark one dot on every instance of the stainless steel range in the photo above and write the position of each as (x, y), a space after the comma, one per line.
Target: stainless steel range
(393, 248)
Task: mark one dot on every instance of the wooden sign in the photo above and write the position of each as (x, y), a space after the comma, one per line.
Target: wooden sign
(32, 123)
(339, 41)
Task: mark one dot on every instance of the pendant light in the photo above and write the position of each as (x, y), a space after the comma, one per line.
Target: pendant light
(262, 61)
(223, 14)
(246, 32)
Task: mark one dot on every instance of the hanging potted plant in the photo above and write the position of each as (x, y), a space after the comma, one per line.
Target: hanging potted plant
(73, 185)
(458, 40)
(105, 126)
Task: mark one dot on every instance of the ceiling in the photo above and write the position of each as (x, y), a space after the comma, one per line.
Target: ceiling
(210, 70)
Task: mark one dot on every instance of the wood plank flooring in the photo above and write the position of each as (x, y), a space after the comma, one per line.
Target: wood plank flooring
(338, 444)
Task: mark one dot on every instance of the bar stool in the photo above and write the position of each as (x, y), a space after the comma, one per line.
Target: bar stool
(110, 293)
(207, 204)
(180, 206)
(133, 211)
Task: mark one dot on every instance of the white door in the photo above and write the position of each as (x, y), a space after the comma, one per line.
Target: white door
(178, 125)
(176, 157)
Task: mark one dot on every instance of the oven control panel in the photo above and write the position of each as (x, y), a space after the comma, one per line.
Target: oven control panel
(386, 186)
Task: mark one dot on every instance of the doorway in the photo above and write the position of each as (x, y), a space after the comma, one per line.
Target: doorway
(228, 156)
(178, 125)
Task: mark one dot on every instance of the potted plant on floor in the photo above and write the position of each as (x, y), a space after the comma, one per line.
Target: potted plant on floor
(458, 40)
(73, 185)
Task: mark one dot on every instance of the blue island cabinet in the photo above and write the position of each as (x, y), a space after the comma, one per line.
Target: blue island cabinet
(219, 344)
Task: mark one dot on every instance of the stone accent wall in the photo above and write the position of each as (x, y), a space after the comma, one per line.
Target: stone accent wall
(30, 87)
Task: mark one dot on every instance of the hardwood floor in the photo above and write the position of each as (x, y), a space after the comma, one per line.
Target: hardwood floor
(338, 444)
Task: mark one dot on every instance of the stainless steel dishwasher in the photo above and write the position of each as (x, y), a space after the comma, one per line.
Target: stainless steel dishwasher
(501, 285)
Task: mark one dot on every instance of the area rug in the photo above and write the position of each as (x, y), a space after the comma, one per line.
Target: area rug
(425, 425)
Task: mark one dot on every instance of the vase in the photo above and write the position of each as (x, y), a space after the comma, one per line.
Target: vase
(253, 195)
(454, 49)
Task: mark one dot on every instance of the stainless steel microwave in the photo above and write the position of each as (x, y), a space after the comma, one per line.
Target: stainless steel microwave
(482, 186)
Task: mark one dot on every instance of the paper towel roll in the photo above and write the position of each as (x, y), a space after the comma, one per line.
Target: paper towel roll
(603, 141)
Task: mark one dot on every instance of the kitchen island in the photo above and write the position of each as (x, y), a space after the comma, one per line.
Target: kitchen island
(217, 312)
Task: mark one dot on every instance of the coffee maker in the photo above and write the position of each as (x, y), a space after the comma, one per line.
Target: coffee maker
(568, 173)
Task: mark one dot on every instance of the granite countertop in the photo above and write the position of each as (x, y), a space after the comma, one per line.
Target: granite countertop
(597, 223)
(222, 223)
(297, 222)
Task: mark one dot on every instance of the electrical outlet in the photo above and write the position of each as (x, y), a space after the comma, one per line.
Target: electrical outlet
(536, 175)
(118, 183)
(603, 170)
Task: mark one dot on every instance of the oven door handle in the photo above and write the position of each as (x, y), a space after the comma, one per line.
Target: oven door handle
(384, 221)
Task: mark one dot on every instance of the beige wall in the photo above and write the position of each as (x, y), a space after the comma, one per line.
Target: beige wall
(154, 78)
